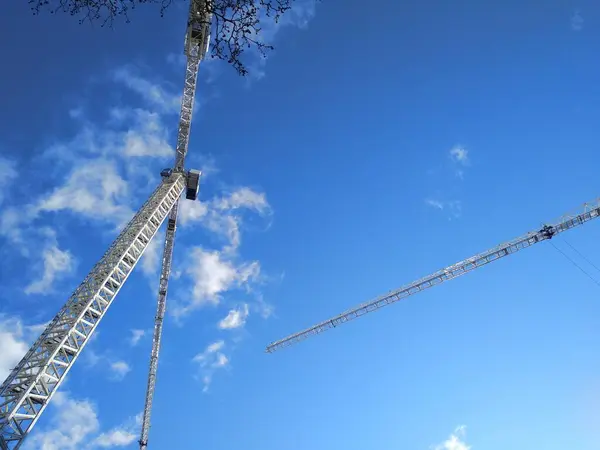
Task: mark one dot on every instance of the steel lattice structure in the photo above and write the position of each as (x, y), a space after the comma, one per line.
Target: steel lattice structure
(30, 386)
(591, 211)
(196, 45)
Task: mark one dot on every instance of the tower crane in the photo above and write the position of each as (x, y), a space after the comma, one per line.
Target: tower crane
(197, 40)
(590, 211)
(30, 386)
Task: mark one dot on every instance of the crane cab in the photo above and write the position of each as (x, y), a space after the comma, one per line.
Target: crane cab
(192, 184)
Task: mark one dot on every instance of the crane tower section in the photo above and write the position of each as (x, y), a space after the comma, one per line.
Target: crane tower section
(197, 41)
(196, 44)
(30, 386)
(591, 211)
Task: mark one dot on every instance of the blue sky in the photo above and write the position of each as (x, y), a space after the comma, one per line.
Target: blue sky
(372, 148)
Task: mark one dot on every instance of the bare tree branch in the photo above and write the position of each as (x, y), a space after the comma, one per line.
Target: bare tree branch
(236, 24)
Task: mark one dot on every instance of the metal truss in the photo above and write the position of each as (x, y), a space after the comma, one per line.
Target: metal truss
(30, 386)
(591, 211)
(196, 45)
(187, 106)
(158, 323)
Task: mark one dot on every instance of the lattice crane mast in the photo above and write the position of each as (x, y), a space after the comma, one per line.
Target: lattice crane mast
(30, 386)
(197, 39)
(591, 211)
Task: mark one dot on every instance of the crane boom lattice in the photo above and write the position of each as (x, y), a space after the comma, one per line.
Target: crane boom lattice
(30, 386)
(591, 211)
(195, 47)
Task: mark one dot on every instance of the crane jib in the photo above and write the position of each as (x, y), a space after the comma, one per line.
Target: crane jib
(591, 211)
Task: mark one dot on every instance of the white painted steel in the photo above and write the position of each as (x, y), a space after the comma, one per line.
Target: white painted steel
(30, 386)
(591, 211)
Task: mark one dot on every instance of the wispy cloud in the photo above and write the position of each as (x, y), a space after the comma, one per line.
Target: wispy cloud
(435, 203)
(15, 338)
(236, 318)
(120, 436)
(224, 215)
(136, 336)
(75, 425)
(213, 273)
(119, 369)
(116, 369)
(96, 178)
(56, 263)
(452, 207)
(209, 360)
(459, 160)
(95, 190)
(8, 174)
(153, 93)
(460, 157)
(455, 441)
(152, 257)
(576, 21)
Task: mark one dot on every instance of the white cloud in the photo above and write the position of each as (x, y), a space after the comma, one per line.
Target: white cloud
(147, 138)
(224, 215)
(119, 436)
(91, 356)
(221, 361)
(453, 208)
(236, 318)
(13, 345)
(94, 190)
(215, 346)
(434, 203)
(11, 220)
(104, 165)
(151, 259)
(115, 438)
(152, 93)
(75, 425)
(211, 359)
(71, 424)
(190, 212)
(119, 369)
(244, 198)
(214, 273)
(99, 176)
(577, 21)
(264, 309)
(56, 264)
(8, 174)
(455, 441)
(459, 155)
(116, 369)
(136, 335)
(225, 218)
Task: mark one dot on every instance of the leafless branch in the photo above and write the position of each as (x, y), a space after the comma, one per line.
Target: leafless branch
(236, 25)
